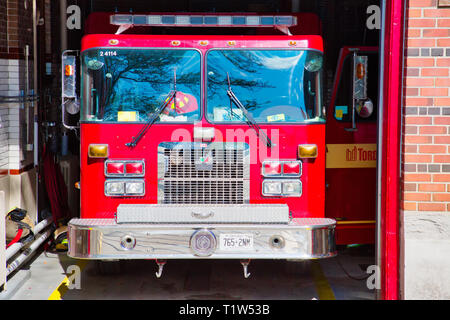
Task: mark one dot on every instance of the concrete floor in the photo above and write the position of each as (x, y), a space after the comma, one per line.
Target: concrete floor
(199, 279)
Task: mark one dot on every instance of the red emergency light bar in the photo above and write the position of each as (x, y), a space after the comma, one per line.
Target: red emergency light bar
(165, 20)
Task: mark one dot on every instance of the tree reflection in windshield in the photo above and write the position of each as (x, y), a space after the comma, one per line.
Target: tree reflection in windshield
(138, 80)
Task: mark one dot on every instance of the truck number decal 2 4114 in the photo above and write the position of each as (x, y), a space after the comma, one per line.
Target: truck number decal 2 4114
(108, 53)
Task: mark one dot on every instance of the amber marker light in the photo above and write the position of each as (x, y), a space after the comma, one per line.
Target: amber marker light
(69, 70)
(307, 151)
(360, 71)
(98, 151)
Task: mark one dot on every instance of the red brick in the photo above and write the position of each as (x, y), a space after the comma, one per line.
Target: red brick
(410, 149)
(442, 82)
(441, 177)
(422, 3)
(417, 177)
(421, 23)
(435, 33)
(413, 13)
(433, 130)
(417, 120)
(410, 187)
(432, 187)
(431, 206)
(441, 158)
(411, 130)
(445, 197)
(434, 72)
(416, 196)
(413, 33)
(420, 82)
(409, 206)
(418, 101)
(443, 23)
(437, 13)
(418, 139)
(442, 139)
(434, 92)
(412, 72)
(442, 120)
(443, 62)
(412, 92)
(419, 62)
(442, 102)
(443, 42)
(432, 149)
(420, 43)
(418, 158)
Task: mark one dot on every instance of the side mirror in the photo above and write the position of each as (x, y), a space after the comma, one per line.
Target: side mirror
(69, 98)
(364, 108)
(359, 86)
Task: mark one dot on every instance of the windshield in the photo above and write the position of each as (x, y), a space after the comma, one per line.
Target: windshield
(273, 85)
(121, 85)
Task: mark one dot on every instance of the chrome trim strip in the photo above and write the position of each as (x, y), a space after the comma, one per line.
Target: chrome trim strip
(101, 239)
(203, 213)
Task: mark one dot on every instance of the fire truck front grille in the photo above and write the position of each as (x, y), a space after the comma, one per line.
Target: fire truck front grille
(204, 192)
(198, 173)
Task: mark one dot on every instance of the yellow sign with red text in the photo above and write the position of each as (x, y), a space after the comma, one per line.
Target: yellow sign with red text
(351, 156)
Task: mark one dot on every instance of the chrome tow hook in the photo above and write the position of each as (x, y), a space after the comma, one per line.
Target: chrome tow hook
(161, 264)
(245, 264)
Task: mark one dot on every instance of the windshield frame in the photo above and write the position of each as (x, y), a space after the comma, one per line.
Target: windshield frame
(83, 118)
(275, 123)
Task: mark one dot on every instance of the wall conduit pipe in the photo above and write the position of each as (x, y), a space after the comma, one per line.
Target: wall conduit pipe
(24, 256)
(14, 248)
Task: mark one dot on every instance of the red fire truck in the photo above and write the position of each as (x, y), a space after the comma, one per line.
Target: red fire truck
(199, 145)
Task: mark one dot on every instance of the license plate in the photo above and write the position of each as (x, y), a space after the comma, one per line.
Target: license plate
(229, 241)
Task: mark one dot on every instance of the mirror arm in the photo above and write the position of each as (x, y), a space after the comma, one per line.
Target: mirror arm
(353, 128)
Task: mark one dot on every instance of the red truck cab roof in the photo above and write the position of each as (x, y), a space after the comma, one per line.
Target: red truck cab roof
(201, 42)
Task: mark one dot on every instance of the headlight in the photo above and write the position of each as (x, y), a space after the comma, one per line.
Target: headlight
(292, 188)
(271, 188)
(282, 188)
(123, 188)
(114, 188)
(134, 188)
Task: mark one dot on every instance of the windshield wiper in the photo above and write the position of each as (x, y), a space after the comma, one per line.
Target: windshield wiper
(171, 96)
(250, 121)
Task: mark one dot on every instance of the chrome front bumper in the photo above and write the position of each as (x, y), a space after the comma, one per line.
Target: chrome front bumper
(308, 238)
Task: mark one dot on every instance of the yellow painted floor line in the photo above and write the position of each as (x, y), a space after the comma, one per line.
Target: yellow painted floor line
(63, 287)
(322, 286)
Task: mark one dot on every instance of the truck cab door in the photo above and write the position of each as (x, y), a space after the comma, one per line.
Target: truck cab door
(351, 137)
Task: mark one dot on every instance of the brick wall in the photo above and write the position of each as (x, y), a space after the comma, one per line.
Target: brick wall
(426, 130)
(15, 33)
